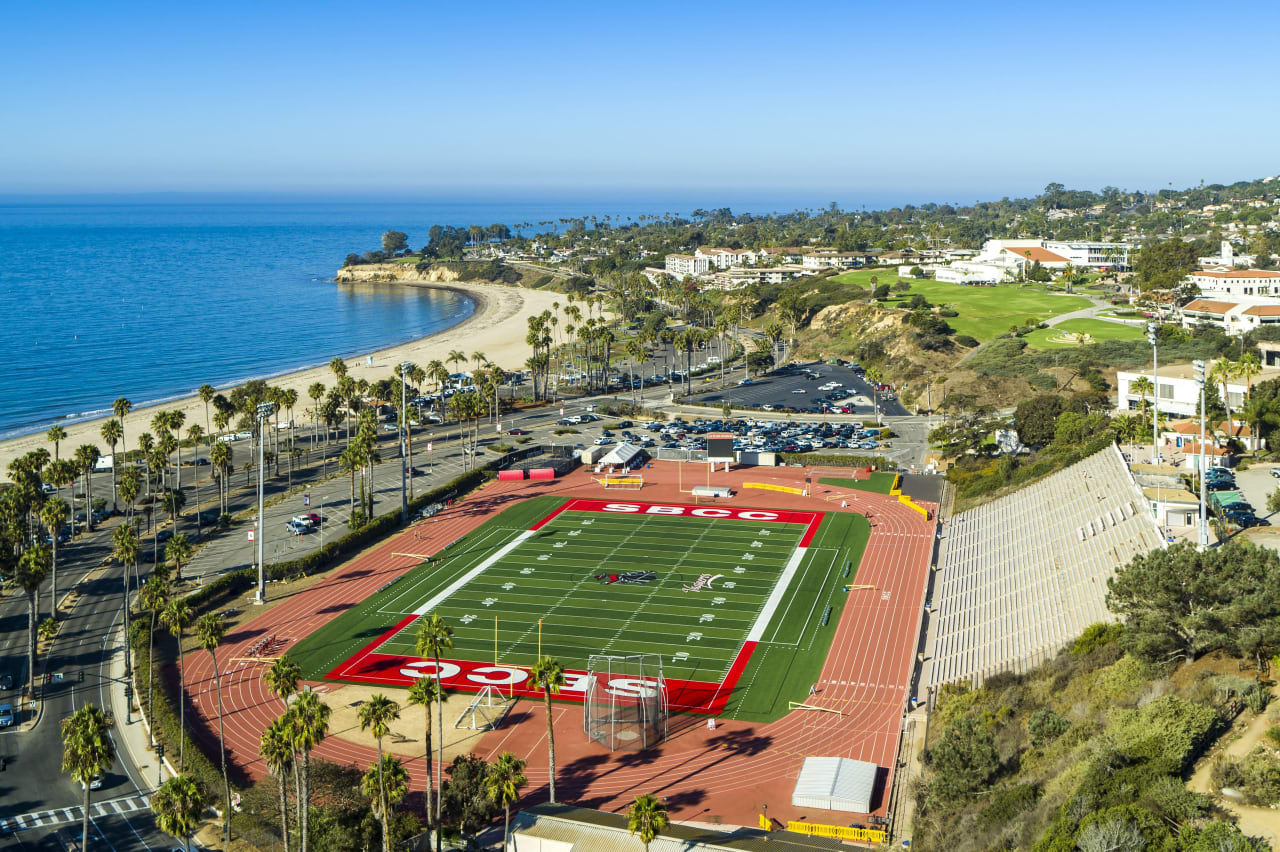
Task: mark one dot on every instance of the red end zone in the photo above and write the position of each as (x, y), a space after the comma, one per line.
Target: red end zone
(694, 696)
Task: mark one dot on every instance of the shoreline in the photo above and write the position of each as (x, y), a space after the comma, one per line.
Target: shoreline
(495, 327)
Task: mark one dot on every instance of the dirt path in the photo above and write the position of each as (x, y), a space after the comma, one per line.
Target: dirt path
(1254, 821)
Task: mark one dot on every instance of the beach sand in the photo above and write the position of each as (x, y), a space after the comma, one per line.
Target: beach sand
(497, 328)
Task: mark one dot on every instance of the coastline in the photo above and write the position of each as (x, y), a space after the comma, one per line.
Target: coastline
(496, 327)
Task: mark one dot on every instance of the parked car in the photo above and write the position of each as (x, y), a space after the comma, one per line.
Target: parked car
(517, 431)
(6, 681)
(6, 715)
(297, 528)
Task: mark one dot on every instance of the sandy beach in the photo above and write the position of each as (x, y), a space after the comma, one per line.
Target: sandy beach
(497, 328)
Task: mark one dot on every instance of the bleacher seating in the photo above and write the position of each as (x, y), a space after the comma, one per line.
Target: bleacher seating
(1023, 575)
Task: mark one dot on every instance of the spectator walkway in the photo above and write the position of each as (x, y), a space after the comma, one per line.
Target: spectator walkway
(1021, 576)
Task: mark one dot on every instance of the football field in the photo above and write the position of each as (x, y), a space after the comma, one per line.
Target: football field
(699, 586)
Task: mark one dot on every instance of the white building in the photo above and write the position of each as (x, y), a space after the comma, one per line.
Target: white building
(1223, 281)
(1007, 260)
(832, 259)
(1177, 392)
(1234, 317)
(732, 279)
(723, 258)
(1228, 258)
(680, 265)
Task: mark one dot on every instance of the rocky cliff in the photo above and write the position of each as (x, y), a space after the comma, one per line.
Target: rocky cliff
(395, 272)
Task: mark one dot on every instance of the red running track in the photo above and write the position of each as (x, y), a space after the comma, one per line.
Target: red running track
(723, 775)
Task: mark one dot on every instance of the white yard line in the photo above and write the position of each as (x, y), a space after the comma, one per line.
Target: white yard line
(473, 573)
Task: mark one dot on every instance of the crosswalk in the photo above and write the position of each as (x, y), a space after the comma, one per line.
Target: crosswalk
(61, 816)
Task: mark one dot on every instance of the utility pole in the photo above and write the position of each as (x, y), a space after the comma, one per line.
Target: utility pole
(1204, 517)
(404, 459)
(1155, 393)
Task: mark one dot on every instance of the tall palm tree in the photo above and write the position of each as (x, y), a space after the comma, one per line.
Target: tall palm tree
(316, 391)
(1222, 372)
(153, 597)
(456, 357)
(375, 715)
(309, 723)
(33, 567)
(548, 674)
(86, 456)
(176, 418)
(209, 631)
(87, 752)
(282, 679)
(112, 432)
(424, 692)
(120, 408)
(177, 617)
(1247, 367)
(503, 783)
(647, 817)
(56, 435)
(387, 783)
(220, 455)
(1143, 387)
(206, 393)
(177, 806)
(54, 514)
(276, 749)
(126, 549)
(178, 550)
(434, 636)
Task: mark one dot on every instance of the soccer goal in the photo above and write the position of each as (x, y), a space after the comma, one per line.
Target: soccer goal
(626, 701)
(486, 710)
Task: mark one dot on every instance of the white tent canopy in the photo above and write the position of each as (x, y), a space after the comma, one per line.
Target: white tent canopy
(622, 455)
(835, 784)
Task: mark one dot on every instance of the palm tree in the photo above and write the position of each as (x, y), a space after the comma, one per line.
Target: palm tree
(503, 783)
(176, 419)
(282, 678)
(308, 724)
(1143, 387)
(177, 617)
(112, 432)
(316, 391)
(153, 597)
(177, 549)
(548, 674)
(220, 458)
(209, 630)
(647, 817)
(54, 514)
(1223, 371)
(56, 435)
(456, 357)
(177, 806)
(120, 408)
(386, 781)
(434, 636)
(87, 752)
(375, 716)
(33, 566)
(126, 549)
(206, 393)
(875, 377)
(1246, 368)
(194, 435)
(276, 748)
(86, 456)
(424, 692)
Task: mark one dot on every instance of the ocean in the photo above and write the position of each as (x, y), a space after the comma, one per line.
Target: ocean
(149, 301)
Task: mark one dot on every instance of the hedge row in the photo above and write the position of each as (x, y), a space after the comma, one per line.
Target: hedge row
(833, 460)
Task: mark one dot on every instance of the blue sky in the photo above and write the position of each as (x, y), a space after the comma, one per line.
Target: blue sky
(943, 101)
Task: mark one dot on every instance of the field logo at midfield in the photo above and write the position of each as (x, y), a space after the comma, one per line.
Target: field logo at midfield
(691, 511)
(704, 581)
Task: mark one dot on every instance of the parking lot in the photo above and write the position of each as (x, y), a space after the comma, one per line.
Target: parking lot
(792, 389)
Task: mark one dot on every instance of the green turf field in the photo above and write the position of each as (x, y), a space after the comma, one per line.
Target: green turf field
(551, 576)
(879, 482)
(1043, 338)
(985, 312)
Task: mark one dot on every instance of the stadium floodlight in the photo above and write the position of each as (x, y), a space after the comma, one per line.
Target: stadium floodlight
(1198, 366)
(1152, 328)
(405, 367)
(265, 410)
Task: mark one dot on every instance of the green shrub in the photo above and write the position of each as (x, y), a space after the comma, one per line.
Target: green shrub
(1096, 636)
(1045, 726)
(1042, 381)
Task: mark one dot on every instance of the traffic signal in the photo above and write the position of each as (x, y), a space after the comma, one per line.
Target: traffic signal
(80, 676)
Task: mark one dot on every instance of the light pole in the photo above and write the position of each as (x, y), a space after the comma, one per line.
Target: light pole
(405, 367)
(1155, 394)
(1204, 519)
(265, 410)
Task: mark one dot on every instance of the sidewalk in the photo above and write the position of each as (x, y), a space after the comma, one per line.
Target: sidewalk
(132, 734)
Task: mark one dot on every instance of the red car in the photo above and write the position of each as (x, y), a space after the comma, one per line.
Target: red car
(517, 431)
(312, 518)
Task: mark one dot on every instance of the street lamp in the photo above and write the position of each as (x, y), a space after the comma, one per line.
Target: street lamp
(265, 410)
(1204, 519)
(1155, 394)
(405, 367)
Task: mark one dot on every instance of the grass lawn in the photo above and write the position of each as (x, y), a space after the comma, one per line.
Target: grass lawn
(1042, 338)
(560, 575)
(879, 483)
(985, 312)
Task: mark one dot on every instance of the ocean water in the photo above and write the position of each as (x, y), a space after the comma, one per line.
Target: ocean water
(151, 300)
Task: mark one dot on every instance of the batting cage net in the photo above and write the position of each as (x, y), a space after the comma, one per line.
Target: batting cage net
(626, 702)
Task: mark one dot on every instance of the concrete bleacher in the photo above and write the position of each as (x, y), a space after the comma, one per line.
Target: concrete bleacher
(1022, 576)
